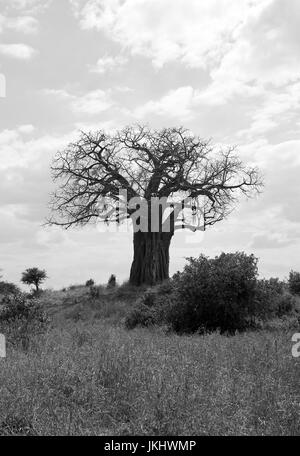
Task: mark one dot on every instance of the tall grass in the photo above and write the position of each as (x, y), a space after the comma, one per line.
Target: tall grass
(92, 377)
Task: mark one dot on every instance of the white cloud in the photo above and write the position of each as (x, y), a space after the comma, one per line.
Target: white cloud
(197, 34)
(23, 151)
(267, 48)
(25, 6)
(184, 102)
(277, 207)
(267, 241)
(108, 63)
(58, 93)
(262, 56)
(17, 51)
(24, 24)
(256, 63)
(245, 45)
(176, 103)
(277, 108)
(26, 129)
(93, 102)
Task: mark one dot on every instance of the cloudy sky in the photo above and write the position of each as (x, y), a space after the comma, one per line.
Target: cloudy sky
(227, 69)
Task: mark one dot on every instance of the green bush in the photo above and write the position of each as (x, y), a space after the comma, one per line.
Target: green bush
(152, 307)
(112, 282)
(273, 299)
(129, 293)
(216, 293)
(294, 282)
(140, 315)
(90, 283)
(18, 306)
(95, 292)
(277, 286)
(222, 293)
(22, 319)
(284, 304)
(7, 288)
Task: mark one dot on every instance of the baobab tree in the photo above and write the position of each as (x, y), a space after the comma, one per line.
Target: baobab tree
(162, 180)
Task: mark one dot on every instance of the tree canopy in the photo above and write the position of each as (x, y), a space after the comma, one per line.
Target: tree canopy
(170, 163)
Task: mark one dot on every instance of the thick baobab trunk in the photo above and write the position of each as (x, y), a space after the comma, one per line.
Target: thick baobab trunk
(151, 258)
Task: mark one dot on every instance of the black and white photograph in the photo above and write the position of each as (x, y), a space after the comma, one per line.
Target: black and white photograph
(149, 221)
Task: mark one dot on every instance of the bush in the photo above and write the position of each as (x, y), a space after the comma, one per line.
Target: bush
(222, 294)
(22, 319)
(17, 307)
(294, 282)
(284, 304)
(129, 293)
(216, 293)
(7, 288)
(94, 292)
(277, 286)
(112, 282)
(74, 287)
(141, 315)
(152, 307)
(90, 283)
(273, 299)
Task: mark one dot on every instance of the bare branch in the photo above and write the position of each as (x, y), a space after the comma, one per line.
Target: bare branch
(170, 163)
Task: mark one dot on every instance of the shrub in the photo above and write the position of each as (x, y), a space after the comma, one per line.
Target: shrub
(22, 319)
(141, 315)
(215, 293)
(273, 299)
(164, 288)
(94, 292)
(90, 283)
(76, 287)
(112, 282)
(77, 313)
(294, 282)
(284, 304)
(222, 294)
(277, 286)
(19, 307)
(152, 307)
(7, 288)
(148, 299)
(129, 293)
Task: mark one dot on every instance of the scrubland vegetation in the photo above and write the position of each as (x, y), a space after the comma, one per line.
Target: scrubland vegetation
(206, 353)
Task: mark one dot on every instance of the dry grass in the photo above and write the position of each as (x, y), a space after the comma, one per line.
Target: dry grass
(89, 376)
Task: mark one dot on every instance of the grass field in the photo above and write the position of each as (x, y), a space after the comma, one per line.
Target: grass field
(89, 376)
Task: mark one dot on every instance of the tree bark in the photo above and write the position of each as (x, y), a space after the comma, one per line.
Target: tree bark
(151, 258)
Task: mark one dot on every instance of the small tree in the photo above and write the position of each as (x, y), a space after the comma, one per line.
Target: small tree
(112, 282)
(34, 276)
(294, 282)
